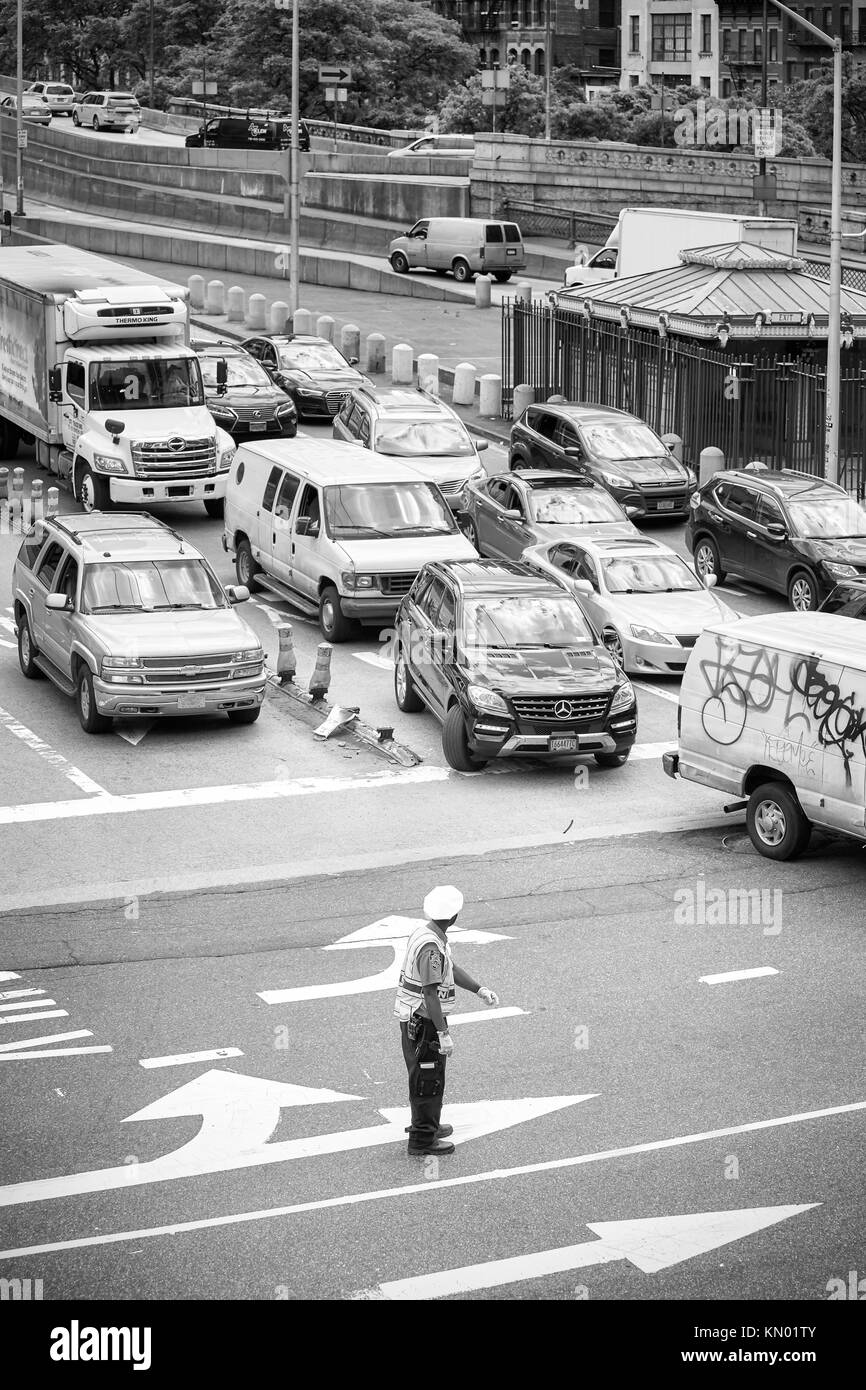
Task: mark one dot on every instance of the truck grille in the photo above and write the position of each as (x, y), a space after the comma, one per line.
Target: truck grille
(193, 458)
(575, 709)
(396, 583)
(196, 670)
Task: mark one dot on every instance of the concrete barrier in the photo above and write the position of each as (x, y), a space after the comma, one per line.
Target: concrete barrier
(35, 498)
(235, 304)
(278, 316)
(428, 372)
(287, 663)
(52, 501)
(711, 461)
(463, 390)
(321, 677)
(402, 357)
(523, 292)
(325, 327)
(257, 311)
(675, 444)
(524, 395)
(302, 321)
(215, 302)
(350, 341)
(4, 483)
(196, 291)
(375, 352)
(490, 396)
(483, 284)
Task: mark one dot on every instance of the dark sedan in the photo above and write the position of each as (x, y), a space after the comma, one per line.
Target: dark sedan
(616, 449)
(251, 403)
(311, 370)
(505, 514)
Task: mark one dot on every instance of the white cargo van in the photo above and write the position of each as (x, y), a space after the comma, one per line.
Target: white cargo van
(339, 532)
(466, 246)
(773, 710)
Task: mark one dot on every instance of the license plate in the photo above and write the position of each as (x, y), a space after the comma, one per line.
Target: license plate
(191, 700)
(562, 743)
(667, 506)
(511, 251)
(258, 425)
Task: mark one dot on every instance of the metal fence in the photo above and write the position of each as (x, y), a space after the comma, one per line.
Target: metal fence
(854, 277)
(749, 405)
(540, 219)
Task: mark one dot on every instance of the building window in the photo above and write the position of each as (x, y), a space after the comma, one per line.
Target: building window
(861, 24)
(607, 57)
(705, 84)
(706, 33)
(773, 45)
(791, 73)
(634, 33)
(607, 15)
(726, 86)
(672, 38)
(633, 80)
(742, 35)
(845, 22)
(758, 41)
(827, 20)
(808, 15)
(726, 43)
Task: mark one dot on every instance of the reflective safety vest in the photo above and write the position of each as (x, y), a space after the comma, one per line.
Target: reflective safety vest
(410, 991)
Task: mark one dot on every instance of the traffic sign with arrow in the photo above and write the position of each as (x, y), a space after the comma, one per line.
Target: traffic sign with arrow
(334, 74)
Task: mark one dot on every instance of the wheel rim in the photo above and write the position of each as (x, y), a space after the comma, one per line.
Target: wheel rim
(472, 534)
(84, 698)
(614, 646)
(25, 644)
(244, 567)
(328, 615)
(801, 595)
(400, 679)
(705, 561)
(770, 823)
(87, 493)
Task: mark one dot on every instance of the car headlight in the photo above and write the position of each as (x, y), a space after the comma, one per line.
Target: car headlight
(351, 580)
(692, 477)
(843, 571)
(476, 476)
(287, 408)
(484, 698)
(250, 654)
(623, 696)
(223, 412)
(309, 391)
(224, 462)
(119, 670)
(649, 634)
(613, 479)
(108, 463)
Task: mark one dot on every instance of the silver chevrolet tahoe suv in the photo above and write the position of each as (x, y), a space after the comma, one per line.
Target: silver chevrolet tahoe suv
(125, 616)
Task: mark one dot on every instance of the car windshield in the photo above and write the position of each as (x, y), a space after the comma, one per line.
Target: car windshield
(311, 357)
(524, 621)
(146, 385)
(623, 441)
(574, 506)
(648, 574)
(150, 586)
(359, 511)
(828, 518)
(241, 370)
(436, 438)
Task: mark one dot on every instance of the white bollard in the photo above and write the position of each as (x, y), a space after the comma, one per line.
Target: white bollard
(35, 499)
(375, 350)
(278, 316)
(483, 285)
(712, 461)
(675, 444)
(524, 395)
(523, 291)
(428, 372)
(463, 391)
(52, 501)
(402, 357)
(216, 297)
(325, 327)
(490, 396)
(257, 311)
(196, 291)
(350, 341)
(321, 677)
(235, 304)
(302, 321)
(287, 662)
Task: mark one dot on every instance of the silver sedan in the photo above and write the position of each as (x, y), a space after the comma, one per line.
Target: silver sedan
(503, 515)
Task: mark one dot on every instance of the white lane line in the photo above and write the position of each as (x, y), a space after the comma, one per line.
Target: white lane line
(380, 662)
(9, 975)
(436, 1185)
(50, 1052)
(660, 690)
(133, 733)
(35, 1018)
(10, 645)
(108, 805)
(50, 755)
(182, 1058)
(29, 1004)
(19, 994)
(7, 626)
(48, 1038)
(737, 975)
(482, 1015)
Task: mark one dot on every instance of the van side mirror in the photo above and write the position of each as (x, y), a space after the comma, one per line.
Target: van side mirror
(582, 586)
(481, 444)
(573, 452)
(55, 385)
(222, 376)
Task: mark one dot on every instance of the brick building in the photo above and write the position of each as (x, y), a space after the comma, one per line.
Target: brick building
(792, 53)
(513, 31)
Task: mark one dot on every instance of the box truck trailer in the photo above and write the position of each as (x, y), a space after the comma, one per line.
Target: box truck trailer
(648, 239)
(97, 372)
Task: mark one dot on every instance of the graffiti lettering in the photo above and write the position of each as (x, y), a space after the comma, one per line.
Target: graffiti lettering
(786, 750)
(841, 722)
(740, 679)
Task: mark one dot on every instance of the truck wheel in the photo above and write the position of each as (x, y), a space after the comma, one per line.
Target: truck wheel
(407, 697)
(399, 263)
(462, 271)
(92, 491)
(92, 722)
(246, 568)
(455, 744)
(777, 826)
(215, 507)
(336, 627)
(27, 651)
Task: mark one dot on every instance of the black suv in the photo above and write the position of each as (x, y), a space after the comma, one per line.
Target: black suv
(784, 530)
(509, 664)
(247, 403)
(616, 449)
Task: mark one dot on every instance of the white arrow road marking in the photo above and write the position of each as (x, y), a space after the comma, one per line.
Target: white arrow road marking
(649, 750)
(50, 1052)
(29, 1004)
(390, 932)
(737, 975)
(651, 1245)
(8, 975)
(214, 1055)
(371, 659)
(4, 643)
(239, 1114)
(49, 1038)
(7, 626)
(20, 993)
(133, 731)
(35, 1018)
(51, 756)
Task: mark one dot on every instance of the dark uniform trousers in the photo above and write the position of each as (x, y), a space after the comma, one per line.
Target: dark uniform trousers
(426, 1067)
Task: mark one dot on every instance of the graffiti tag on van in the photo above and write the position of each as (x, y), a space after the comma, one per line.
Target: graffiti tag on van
(841, 719)
(739, 679)
(779, 749)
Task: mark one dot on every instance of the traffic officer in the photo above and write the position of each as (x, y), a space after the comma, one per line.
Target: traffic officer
(425, 995)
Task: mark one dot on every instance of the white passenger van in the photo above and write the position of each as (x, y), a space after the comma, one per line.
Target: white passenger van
(773, 710)
(466, 246)
(338, 531)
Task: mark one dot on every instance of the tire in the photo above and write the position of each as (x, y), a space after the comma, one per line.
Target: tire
(91, 721)
(215, 507)
(777, 827)
(612, 759)
(96, 125)
(407, 697)
(336, 627)
(461, 271)
(399, 263)
(455, 745)
(803, 594)
(92, 492)
(503, 276)
(76, 119)
(27, 651)
(707, 561)
(246, 568)
(244, 716)
(470, 531)
(613, 642)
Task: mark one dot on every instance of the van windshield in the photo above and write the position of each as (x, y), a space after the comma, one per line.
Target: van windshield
(362, 511)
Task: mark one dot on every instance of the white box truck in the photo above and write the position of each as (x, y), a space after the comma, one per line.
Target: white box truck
(96, 370)
(648, 239)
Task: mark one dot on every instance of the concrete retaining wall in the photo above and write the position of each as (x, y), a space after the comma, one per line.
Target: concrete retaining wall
(370, 197)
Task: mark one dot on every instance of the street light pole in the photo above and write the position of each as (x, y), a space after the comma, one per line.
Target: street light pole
(762, 162)
(151, 55)
(294, 182)
(548, 68)
(19, 113)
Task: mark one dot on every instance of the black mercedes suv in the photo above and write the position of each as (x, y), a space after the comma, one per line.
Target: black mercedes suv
(510, 665)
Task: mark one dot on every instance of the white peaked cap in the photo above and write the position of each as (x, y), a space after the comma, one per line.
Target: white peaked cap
(441, 904)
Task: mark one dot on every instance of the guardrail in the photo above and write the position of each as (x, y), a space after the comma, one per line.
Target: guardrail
(364, 135)
(541, 219)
